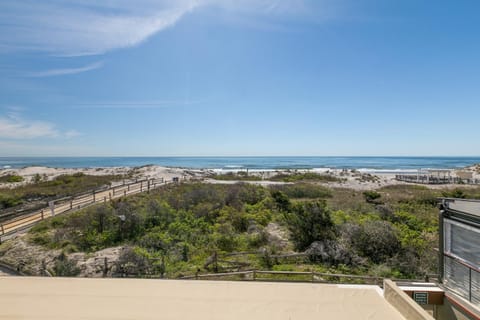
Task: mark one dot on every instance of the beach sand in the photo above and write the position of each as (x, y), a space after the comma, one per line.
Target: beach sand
(351, 179)
(145, 172)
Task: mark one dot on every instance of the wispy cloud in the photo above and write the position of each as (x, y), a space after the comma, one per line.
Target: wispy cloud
(83, 27)
(67, 71)
(159, 104)
(86, 27)
(13, 126)
(72, 134)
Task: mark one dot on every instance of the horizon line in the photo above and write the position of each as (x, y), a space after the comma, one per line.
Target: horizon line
(241, 156)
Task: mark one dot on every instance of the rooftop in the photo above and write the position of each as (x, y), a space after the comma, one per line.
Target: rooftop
(80, 298)
(468, 206)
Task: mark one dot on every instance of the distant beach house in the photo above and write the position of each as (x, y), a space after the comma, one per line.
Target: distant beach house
(439, 176)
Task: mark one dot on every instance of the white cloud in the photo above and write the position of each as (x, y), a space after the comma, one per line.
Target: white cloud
(86, 27)
(67, 71)
(13, 126)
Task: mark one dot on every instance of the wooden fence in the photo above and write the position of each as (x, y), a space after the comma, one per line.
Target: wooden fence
(295, 276)
(79, 201)
(429, 179)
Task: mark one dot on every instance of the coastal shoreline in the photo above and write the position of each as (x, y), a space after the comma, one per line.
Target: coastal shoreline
(345, 178)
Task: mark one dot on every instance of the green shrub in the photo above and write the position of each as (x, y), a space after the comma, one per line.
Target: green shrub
(304, 191)
(10, 178)
(456, 193)
(376, 240)
(239, 176)
(65, 267)
(309, 222)
(282, 202)
(307, 176)
(371, 196)
(9, 200)
(41, 239)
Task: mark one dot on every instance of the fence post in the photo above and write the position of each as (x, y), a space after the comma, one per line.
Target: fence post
(254, 275)
(3, 230)
(40, 213)
(110, 196)
(141, 186)
(51, 204)
(215, 265)
(105, 267)
(313, 276)
(128, 187)
(43, 268)
(105, 199)
(125, 193)
(470, 284)
(93, 196)
(113, 191)
(71, 204)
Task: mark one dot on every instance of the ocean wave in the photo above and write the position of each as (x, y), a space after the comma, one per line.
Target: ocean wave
(318, 164)
(401, 170)
(322, 170)
(396, 171)
(233, 170)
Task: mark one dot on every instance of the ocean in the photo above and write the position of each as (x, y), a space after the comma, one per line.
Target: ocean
(373, 164)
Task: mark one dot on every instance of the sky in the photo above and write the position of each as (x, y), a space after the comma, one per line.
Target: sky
(239, 78)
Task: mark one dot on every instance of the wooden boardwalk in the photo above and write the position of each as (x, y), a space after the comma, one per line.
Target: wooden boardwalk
(11, 227)
(431, 179)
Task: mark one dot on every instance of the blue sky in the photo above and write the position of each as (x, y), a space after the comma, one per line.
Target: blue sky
(244, 77)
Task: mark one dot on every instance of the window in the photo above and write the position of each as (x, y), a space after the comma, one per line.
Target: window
(462, 260)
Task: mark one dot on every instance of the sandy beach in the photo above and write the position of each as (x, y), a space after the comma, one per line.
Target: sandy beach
(145, 172)
(352, 179)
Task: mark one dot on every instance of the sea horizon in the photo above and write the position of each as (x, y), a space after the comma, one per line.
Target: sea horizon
(232, 163)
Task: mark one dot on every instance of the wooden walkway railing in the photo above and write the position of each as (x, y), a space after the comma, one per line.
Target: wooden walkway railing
(428, 179)
(295, 276)
(60, 206)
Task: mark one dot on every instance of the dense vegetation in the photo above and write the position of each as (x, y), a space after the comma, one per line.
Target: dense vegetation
(181, 229)
(236, 176)
(61, 186)
(307, 176)
(10, 178)
(282, 177)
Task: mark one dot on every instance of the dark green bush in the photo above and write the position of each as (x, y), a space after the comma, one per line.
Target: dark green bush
(376, 240)
(307, 176)
(309, 222)
(65, 267)
(9, 200)
(371, 196)
(304, 191)
(11, 178)
(456, 193)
